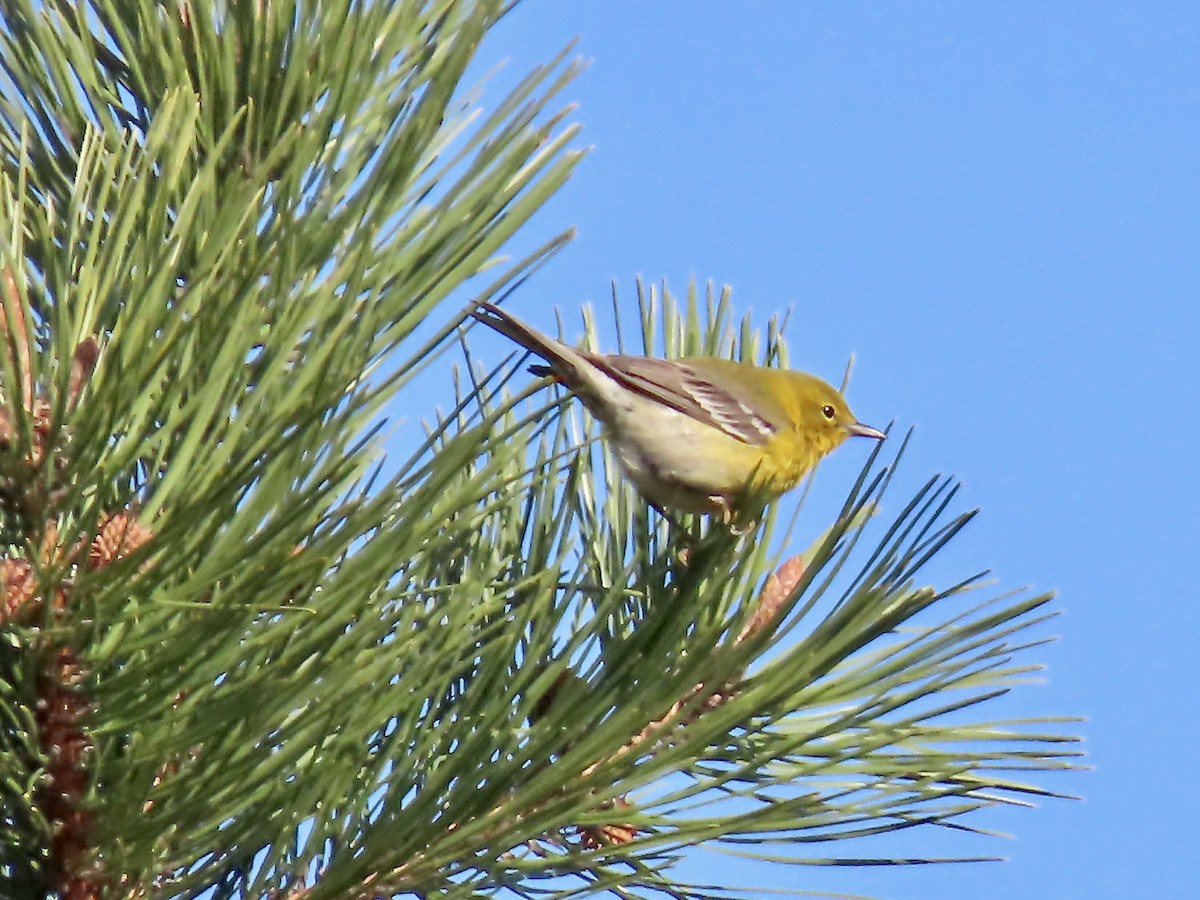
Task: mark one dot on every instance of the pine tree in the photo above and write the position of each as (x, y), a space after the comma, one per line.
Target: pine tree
(246, 653)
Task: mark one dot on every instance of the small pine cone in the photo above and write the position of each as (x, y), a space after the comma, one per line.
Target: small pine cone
(119, 535)
(597, 837)
(17, 586)
(778, 588)
(41, 431)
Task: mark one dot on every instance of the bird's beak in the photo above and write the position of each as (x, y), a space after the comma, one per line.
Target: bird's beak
(858, 429)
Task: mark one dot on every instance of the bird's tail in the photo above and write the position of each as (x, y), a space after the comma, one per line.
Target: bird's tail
(563, 361)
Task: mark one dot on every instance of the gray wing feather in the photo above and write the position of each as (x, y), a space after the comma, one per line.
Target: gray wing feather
(673, 384)
(680, 387)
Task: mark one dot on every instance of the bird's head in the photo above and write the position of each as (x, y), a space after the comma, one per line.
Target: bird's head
(825, 416)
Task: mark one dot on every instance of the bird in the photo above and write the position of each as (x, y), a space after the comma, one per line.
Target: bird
(697, 434)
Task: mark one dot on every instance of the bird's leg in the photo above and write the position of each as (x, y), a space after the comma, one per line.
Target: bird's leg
(724, 511)
(728, 518)
(743, 529)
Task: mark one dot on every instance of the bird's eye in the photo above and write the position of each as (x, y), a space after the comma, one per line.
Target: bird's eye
(829, 412)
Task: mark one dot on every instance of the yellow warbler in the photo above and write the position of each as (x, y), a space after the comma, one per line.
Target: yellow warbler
(699, 433)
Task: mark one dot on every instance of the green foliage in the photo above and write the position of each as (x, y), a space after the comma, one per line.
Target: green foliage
(252, 235)
(475, 668)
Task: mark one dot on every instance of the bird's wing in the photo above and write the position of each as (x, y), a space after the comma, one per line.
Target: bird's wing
(683, 388)
(677, 384)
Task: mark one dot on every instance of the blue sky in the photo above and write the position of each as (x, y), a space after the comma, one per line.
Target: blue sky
(996, 207)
